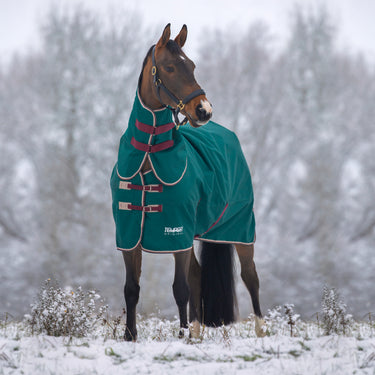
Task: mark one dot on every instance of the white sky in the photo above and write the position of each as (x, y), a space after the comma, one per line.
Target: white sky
(356, 18)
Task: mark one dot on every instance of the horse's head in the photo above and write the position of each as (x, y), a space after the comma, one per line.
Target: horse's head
(168, 79)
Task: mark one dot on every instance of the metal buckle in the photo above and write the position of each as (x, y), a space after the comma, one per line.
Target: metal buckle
(124, 185)
(181, 105)
(153, 188)
(124, 206)
(153, 70)
(152, 208)
(184, 122)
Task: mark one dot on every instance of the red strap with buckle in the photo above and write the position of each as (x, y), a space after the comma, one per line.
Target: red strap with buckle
(127, 206)
(149, 129)
(151, 148)
(151, 208)
(125, 185)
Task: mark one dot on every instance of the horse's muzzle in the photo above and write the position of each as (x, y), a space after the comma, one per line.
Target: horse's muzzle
(204, 112)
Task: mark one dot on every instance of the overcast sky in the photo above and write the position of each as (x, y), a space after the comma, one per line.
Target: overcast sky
(356, 18)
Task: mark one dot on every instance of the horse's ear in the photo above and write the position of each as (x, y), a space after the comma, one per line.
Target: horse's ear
(165, 36)
(181, 37)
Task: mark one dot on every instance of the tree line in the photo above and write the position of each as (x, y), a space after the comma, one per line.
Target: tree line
(304, 114)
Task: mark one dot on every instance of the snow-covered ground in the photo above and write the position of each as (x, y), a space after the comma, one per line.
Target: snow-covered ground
(226, 350)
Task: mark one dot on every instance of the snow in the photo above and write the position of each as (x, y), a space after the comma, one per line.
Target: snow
(225, 350)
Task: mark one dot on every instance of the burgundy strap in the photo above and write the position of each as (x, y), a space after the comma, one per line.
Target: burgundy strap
(151, 148)
(219, 218)
(125, 185)
(149, 129)
(151, 208)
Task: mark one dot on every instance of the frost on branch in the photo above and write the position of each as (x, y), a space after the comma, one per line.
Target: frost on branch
(279, 323)
(65, 312)
(335, 318)
(291, 315)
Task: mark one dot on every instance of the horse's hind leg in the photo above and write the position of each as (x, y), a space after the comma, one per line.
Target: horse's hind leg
(133, 262)
(195, 302)
(180, 286)
(250, 277)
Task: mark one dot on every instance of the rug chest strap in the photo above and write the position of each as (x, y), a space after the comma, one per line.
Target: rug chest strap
(126, 206)
(151, 148)
(149, 129)
(125, 185)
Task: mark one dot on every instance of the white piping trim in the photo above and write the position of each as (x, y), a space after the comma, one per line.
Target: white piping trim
(220, 241)
(166, 252)
(157, 251)
(142, 220)
(144, 105)
(181, 250)
(168, 183)
(149, 143)
(149, 139)
(121, 249)
(138, 171)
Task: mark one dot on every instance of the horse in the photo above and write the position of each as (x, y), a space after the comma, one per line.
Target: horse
(174, 183)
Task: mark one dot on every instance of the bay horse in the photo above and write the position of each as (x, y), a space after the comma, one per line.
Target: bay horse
(172, 185)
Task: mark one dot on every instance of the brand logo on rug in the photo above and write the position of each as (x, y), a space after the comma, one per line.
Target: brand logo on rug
(168, 231)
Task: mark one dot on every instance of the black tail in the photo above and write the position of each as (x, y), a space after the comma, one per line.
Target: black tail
(217, 286)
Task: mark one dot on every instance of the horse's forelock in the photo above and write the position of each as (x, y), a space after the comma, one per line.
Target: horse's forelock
(173, 47)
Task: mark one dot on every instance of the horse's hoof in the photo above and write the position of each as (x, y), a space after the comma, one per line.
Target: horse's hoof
(181, 334)
(195, 329)
(129, 336)
(260, 327)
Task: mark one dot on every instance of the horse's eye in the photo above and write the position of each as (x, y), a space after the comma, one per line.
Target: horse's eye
(169, 69)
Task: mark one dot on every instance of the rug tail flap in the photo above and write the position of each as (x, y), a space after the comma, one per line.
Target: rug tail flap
(237, 217)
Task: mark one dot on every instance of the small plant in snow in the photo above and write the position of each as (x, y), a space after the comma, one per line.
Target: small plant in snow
(292, 317)
(63, 312)
(113, 326)
(334, 318)
(282, 322)
(275, 320)
(371, 322)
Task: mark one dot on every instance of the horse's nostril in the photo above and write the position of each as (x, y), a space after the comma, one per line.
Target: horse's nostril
(202, 114)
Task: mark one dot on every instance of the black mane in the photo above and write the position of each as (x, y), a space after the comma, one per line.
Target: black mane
(147, 56)
(144, 63)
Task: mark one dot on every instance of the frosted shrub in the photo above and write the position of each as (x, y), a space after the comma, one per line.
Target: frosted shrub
(276, 321)
(281, 322)
(335, 318)
(62, 312)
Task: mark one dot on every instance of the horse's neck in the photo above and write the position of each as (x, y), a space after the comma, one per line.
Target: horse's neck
(147, 94)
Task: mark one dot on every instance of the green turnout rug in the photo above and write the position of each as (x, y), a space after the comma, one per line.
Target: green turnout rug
(199, 185)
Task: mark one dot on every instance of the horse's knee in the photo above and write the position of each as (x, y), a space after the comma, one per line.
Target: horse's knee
(131, 292)
(249, 273)
(246, 257)
(181, 292)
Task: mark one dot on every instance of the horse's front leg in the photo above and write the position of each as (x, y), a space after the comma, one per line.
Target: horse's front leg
(195, 302)
(180, 286)
(133, 262)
